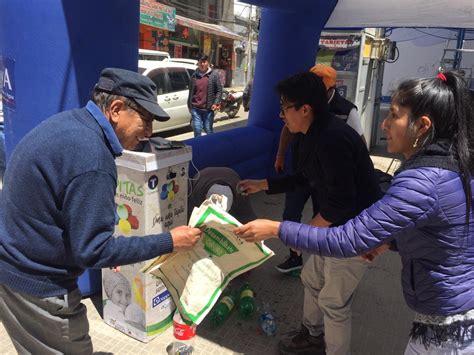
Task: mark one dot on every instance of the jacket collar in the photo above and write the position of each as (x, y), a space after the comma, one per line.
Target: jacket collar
(109, 132)
(439, 154)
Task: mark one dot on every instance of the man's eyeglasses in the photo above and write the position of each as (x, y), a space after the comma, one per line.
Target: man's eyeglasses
(284, 108)
(144, 115)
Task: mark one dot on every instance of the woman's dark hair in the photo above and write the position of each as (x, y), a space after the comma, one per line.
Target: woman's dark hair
(305, 89)
(449, 105)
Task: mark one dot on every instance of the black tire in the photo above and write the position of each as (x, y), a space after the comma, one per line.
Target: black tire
(233, 110)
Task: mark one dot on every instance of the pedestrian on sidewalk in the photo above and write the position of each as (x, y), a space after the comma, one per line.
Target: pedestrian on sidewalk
(57, 213)
(335, 162)
(205, 93)
(295, 200)
(427, 214)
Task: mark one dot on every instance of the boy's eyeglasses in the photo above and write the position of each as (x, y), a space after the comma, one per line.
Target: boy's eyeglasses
(284, 108)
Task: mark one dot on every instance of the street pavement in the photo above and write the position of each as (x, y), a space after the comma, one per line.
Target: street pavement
(221, 123)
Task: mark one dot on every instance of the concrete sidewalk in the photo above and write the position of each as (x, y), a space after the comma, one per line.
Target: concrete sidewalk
(381, 320)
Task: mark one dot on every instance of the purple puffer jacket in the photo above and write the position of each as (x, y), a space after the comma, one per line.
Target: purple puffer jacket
(424, 211)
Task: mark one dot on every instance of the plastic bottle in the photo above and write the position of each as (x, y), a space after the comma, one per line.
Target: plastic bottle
(247, 304)
(222, 309)
(184, 334)
(267, 321)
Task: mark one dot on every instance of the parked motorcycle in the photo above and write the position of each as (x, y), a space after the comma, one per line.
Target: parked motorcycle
(230, 102)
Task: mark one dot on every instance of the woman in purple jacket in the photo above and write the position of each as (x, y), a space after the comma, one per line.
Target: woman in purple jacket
(427, 213)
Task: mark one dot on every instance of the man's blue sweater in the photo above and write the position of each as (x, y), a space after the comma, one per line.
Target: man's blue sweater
(57, 209)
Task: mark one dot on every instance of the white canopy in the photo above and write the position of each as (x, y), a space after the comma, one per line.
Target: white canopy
(402, 13)
(385, 13)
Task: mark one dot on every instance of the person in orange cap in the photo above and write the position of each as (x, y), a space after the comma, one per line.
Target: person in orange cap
(296, 200)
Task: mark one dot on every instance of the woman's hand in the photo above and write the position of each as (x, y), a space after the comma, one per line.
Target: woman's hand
(246, 187)
(371, 255)
(257, 230)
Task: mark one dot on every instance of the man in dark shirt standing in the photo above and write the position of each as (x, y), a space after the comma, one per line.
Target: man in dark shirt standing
(334, 160)
(204, 98)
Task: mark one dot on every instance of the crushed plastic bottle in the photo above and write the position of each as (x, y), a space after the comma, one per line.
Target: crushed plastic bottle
(267, 321)
(222, 309)
(247, 305)
(184, 334)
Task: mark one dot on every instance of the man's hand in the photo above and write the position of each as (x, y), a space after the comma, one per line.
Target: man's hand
(259, 229)
(185, 237)
(246, 187)
(215, 107)
(371, 255)
(280, 163)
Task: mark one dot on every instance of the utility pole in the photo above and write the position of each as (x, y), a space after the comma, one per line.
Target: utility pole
(249, 47)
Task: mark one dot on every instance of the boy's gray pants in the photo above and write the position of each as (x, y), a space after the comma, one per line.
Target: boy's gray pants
(51, 325)
(329, 284)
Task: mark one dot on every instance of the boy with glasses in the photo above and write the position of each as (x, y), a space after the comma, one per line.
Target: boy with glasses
(333, 161)
(296, 200)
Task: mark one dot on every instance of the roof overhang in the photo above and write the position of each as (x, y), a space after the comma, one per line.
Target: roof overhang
(208, 27)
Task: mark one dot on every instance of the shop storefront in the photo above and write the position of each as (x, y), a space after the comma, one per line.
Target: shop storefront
(157, 21)
(161, 29)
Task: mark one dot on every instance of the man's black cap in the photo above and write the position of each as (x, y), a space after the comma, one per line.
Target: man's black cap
(134, 86)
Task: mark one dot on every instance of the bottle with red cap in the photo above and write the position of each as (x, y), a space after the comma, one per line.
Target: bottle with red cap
(184, 333)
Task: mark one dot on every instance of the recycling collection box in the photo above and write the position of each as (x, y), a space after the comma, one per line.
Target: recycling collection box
(151, 198)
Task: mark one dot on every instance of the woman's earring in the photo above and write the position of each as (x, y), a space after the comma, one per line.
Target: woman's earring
(415, 144)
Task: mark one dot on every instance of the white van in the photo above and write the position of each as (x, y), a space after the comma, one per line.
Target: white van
(148, 58)
(172, 81)
(148, 54)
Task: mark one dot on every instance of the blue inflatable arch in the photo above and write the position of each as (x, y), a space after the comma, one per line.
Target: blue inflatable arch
(54, 51)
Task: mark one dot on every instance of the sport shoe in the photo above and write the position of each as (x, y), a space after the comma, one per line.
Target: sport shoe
(302, 343)
(292, 263)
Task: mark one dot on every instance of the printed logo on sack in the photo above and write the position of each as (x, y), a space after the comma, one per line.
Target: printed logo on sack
(160, 298)
(217, 244)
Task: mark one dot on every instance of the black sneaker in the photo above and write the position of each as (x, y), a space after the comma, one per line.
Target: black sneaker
(292, 263)
(301, 342)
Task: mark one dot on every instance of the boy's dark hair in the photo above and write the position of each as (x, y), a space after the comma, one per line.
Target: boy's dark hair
(305, 88)
(203, 57)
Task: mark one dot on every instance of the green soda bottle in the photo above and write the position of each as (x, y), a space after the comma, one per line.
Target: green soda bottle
(247, 304)
(222, 309)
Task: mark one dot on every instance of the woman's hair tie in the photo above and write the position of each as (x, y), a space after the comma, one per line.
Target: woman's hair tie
(442, 76)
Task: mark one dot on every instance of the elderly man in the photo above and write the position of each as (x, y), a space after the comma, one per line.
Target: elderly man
(57, 213)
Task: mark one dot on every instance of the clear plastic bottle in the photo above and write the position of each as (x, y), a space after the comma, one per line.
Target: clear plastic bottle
(247, 304)
(267, 321)
(222, 309)
(184, 334)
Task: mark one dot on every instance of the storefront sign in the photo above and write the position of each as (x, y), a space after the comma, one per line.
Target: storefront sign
(154, 14)
(207, 45)
(334, 43)
(8, 83)
(185, 35)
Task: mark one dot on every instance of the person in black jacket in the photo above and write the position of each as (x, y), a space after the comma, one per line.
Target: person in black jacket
(296, 200)
(334, 161)
(204, 97)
